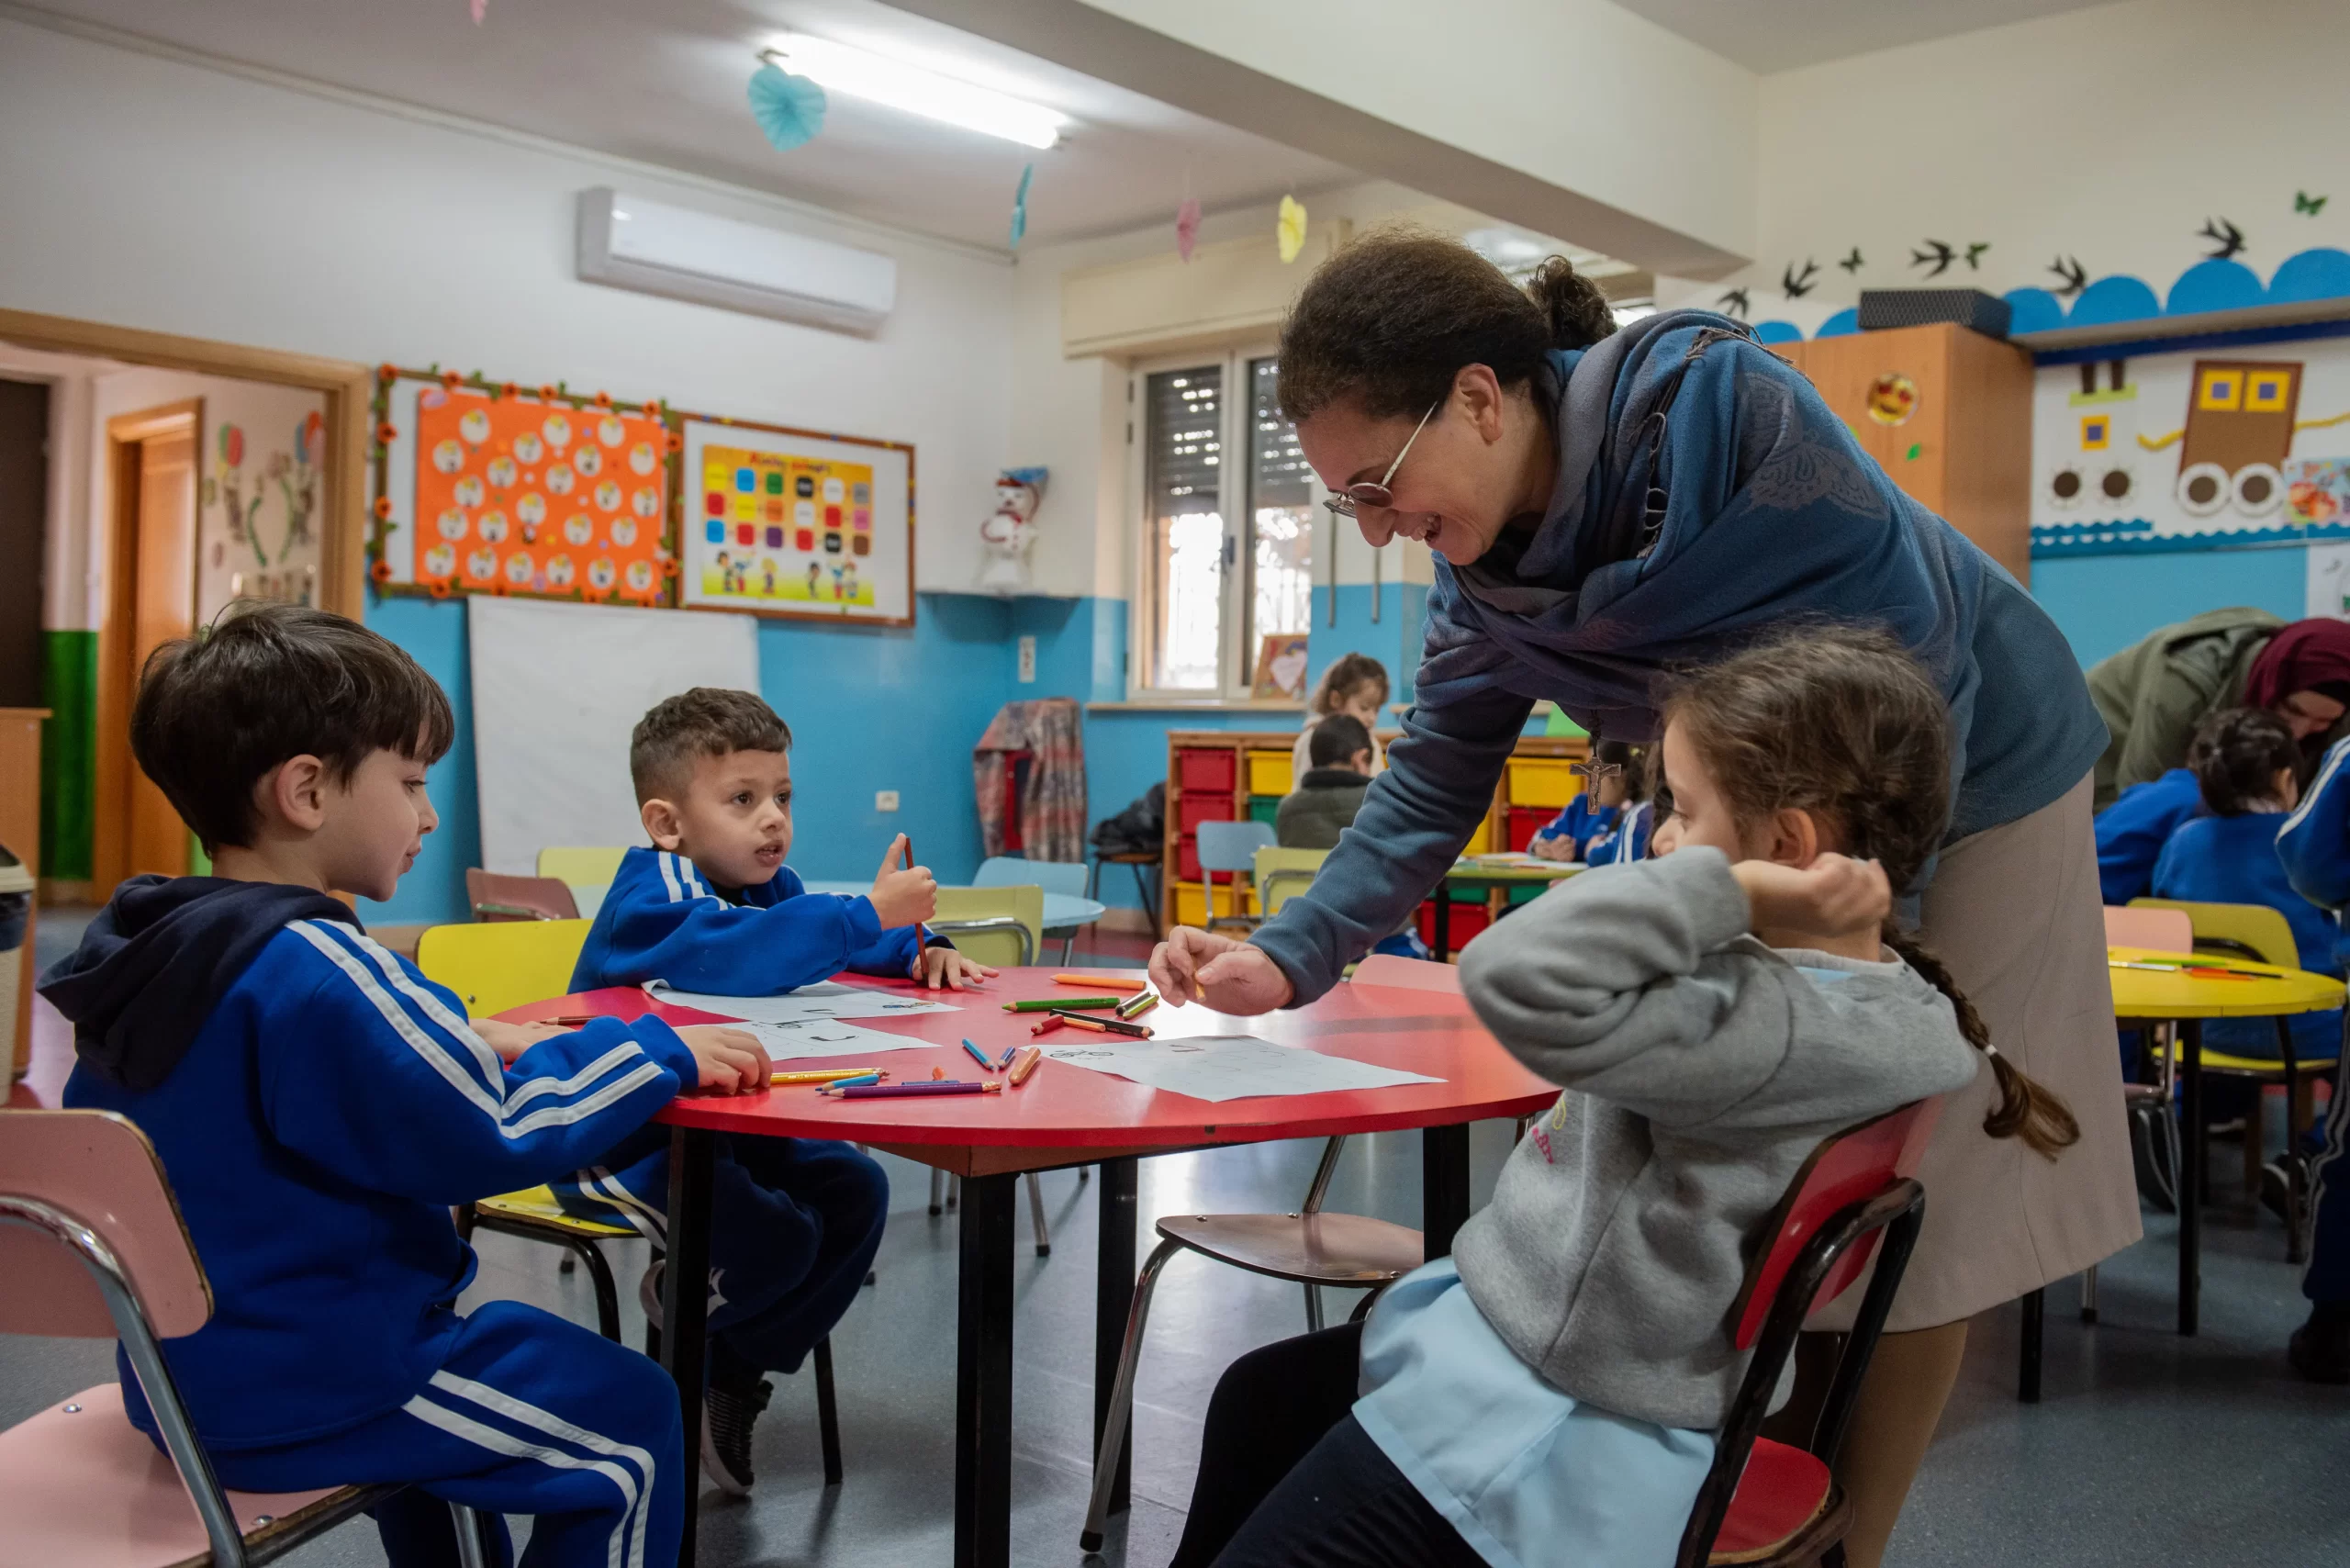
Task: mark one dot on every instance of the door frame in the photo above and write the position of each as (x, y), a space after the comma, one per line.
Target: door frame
(127, 438)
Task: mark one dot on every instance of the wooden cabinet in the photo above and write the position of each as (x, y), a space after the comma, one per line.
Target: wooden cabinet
(1948, 412)
(20, 831)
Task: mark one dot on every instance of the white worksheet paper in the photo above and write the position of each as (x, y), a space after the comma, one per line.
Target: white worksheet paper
(825, 999)
(1228, 1067)
(829, 1037)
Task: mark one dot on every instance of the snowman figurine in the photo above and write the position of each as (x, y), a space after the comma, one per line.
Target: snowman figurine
(1005, 537)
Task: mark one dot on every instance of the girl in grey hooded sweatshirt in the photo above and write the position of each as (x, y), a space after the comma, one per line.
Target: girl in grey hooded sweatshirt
(1547, 1395)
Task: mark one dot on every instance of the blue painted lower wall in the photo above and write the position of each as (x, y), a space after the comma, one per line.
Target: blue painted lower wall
(2104, 603)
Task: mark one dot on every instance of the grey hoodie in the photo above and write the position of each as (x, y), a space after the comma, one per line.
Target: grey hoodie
(1701, 1067)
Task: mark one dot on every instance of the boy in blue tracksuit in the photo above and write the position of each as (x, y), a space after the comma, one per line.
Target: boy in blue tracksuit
(1596, 810)
(2314, 844)
(2131, 832)
(711, 907)
(320, 1105)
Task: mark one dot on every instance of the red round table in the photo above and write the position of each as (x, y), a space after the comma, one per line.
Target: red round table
(1069, 1116)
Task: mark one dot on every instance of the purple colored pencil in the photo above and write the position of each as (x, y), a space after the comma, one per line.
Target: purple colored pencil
(936, 1086)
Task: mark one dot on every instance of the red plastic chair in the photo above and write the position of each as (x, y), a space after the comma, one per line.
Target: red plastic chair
(1769, 1503)
(93, 1248)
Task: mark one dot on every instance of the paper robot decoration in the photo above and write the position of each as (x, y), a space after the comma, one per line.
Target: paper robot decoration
(1004, 538)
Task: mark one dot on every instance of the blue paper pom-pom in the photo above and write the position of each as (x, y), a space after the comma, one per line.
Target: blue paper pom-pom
(790, 109)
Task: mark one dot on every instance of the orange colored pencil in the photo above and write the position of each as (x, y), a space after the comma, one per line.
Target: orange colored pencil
(1026, 1063)
(1105, 983)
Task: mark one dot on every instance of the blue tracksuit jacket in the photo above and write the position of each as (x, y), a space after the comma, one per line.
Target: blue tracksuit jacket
(2314, 842)
(2234, 860)
(1581, 822)
(2131, 832)
(333, 1107)
(1623, 841)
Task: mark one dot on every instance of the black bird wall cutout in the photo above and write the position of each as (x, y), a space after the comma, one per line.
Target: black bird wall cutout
(1939, 253)
(2076, 277)
(1797, 284)
(2222, 233)
(1734, 303)
(1852, 263)
(1975, 254)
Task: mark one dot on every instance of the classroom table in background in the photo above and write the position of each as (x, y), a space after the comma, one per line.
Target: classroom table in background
(1069, 1116)
(2171, 996)
(1469, 876)
(1064, 912)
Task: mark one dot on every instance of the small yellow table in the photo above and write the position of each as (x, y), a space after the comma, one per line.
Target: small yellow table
(1470, 876)
(2149, 996)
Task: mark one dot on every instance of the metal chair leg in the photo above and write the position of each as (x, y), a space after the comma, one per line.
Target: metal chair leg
(1314, 1309)
(2028, 1372)
(1069, 947)
(828, 1413)
(608, 1296)
(2088, 1293)
(472, 1550)
(2295, 1249)
(954, 1193)
(938, 1191)
(1037, 1215)
(1122, 1399)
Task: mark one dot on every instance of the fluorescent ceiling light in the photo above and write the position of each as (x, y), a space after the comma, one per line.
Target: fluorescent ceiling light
(861, 74)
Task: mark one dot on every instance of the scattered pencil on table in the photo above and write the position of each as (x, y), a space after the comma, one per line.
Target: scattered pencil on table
(841, 1083)
(1096, 1024)
(1026, 1063)
(1055, 1003)
(987, 1063)
(1053, 1021)
(818, 1074)
(1137, 1006)
(942, 1086)
(1005, 1060)
(1103, 983)
(937, 1074)
(1107, 1026)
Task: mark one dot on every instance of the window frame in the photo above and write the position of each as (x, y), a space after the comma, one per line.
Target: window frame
(1235, 663)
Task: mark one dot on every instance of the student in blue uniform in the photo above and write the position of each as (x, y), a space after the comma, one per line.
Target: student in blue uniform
(2131, 832)
(1595, 810)
(711, 907)
(320, 1105)
(2314, 846)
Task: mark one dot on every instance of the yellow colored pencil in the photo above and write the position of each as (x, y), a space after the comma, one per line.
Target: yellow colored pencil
(819, 1074)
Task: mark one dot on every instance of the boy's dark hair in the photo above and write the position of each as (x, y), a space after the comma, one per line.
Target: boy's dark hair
(2235, 755)
(265, 683)
(708, 721)
(1336, 739)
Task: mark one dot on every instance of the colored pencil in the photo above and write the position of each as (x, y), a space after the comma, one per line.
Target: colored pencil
(1058, 1003)
(1110, 1026)
(1005, 1060)
(1138, 1006)
(1026, 1063)
(1052, 1021)
(818, 1074)
(2191, 971)
(1096, 1024)
(893, 1090)
(938, 1075)
(853, 1082)
(985, 1061)
(574, 1018)
(1107, 982)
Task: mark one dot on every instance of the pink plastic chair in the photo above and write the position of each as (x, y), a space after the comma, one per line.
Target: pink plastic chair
(2161, 930)
(1407, 974)
(93, 1248)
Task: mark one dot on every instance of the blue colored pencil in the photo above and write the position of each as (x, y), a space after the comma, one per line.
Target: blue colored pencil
(986, 1063)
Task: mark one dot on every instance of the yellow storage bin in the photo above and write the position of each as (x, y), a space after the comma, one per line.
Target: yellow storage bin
(1269, 773)
(1481, 841)
(1192, 906)
(1543, 781)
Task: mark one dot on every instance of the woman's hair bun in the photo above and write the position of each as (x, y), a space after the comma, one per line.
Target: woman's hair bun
(1577, 312)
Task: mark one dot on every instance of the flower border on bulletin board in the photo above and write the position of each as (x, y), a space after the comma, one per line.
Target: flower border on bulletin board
(586, 517)
(806, 500)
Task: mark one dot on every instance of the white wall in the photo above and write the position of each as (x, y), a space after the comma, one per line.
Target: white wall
(151, 193)
(2109, 134)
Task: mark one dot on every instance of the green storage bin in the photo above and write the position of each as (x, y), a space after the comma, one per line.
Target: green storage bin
(1264, 809)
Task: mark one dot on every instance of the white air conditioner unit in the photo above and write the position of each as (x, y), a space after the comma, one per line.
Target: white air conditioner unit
(630, 242)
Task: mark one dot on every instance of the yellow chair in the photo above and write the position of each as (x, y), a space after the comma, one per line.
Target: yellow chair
(1001, 926)
(580, 868)
(2261, 934)
(495, 965)
(1282, 873)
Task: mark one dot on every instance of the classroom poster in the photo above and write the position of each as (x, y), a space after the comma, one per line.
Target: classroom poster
(258, 528)
(787, 523)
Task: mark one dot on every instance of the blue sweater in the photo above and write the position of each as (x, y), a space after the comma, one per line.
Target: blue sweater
(333, 1107)
(2234, 860)
(661, 920)
(2314, 842)
(2131, 832)
(1580, 821)
(1769, 509)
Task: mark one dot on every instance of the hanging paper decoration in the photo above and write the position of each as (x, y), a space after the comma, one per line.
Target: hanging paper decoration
(1853, 264)
(2308, 205)
(1187, 227)
(790, 109)
(1289, 230)
(1020, 206)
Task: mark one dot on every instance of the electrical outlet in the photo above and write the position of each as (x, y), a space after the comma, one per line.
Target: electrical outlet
(885, 799)
(1027, 660)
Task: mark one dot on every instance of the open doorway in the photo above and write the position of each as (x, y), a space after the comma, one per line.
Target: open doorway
(151, 594)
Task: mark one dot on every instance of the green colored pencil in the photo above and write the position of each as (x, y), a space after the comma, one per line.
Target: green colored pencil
(1050, 1003)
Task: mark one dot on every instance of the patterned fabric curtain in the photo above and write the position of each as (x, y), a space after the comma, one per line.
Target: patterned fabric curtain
(1051, 795)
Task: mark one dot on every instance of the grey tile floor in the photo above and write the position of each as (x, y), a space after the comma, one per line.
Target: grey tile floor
(2147, 1448)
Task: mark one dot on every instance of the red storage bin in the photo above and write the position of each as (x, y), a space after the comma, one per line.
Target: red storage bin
(1209, 769)
(1468, 919)
(1187, 859)
(1525, 821)
(1191, 810)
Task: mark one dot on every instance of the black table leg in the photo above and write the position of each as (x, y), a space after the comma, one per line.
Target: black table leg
(1444, 1183)
(2191, 1179)
(1114, 1298)
(1443, 923)
(2035, 1308)
(684, 1299)
(983, 1376)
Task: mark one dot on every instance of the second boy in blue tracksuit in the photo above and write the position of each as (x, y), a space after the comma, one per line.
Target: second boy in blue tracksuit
(2131, 832)
(711, 907)
(2314, 846)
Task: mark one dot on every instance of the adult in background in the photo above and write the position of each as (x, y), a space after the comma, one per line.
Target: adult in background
(1604, 506)
(2155, 694)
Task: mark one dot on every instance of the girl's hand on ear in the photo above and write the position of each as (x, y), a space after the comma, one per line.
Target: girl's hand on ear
(1835, 896)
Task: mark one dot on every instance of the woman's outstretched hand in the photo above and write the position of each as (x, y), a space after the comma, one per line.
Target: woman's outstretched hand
(1231, 977)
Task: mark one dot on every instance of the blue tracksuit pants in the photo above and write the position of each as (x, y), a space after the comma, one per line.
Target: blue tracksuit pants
(2327, 1276)
(529, 1414)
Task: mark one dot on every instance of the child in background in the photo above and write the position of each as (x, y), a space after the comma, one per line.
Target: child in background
(2131, 832)
(2246, 764)
(1626, 839)
(1549, 1394)
(1596, 808)
(1355, 684)
(1323, 806)
(320, 1105)
(711, 907)
(2314, 846)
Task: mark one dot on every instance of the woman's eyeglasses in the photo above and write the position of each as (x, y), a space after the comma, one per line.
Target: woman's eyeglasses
(1378, 495)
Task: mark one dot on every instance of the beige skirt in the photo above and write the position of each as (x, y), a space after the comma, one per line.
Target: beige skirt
(2015, 912)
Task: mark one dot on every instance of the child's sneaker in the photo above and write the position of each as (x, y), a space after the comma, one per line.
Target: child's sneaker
(2320, 1349)
(728, 1413)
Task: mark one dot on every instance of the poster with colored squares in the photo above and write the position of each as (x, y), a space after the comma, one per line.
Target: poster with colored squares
(516, 495)
(789, 522)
